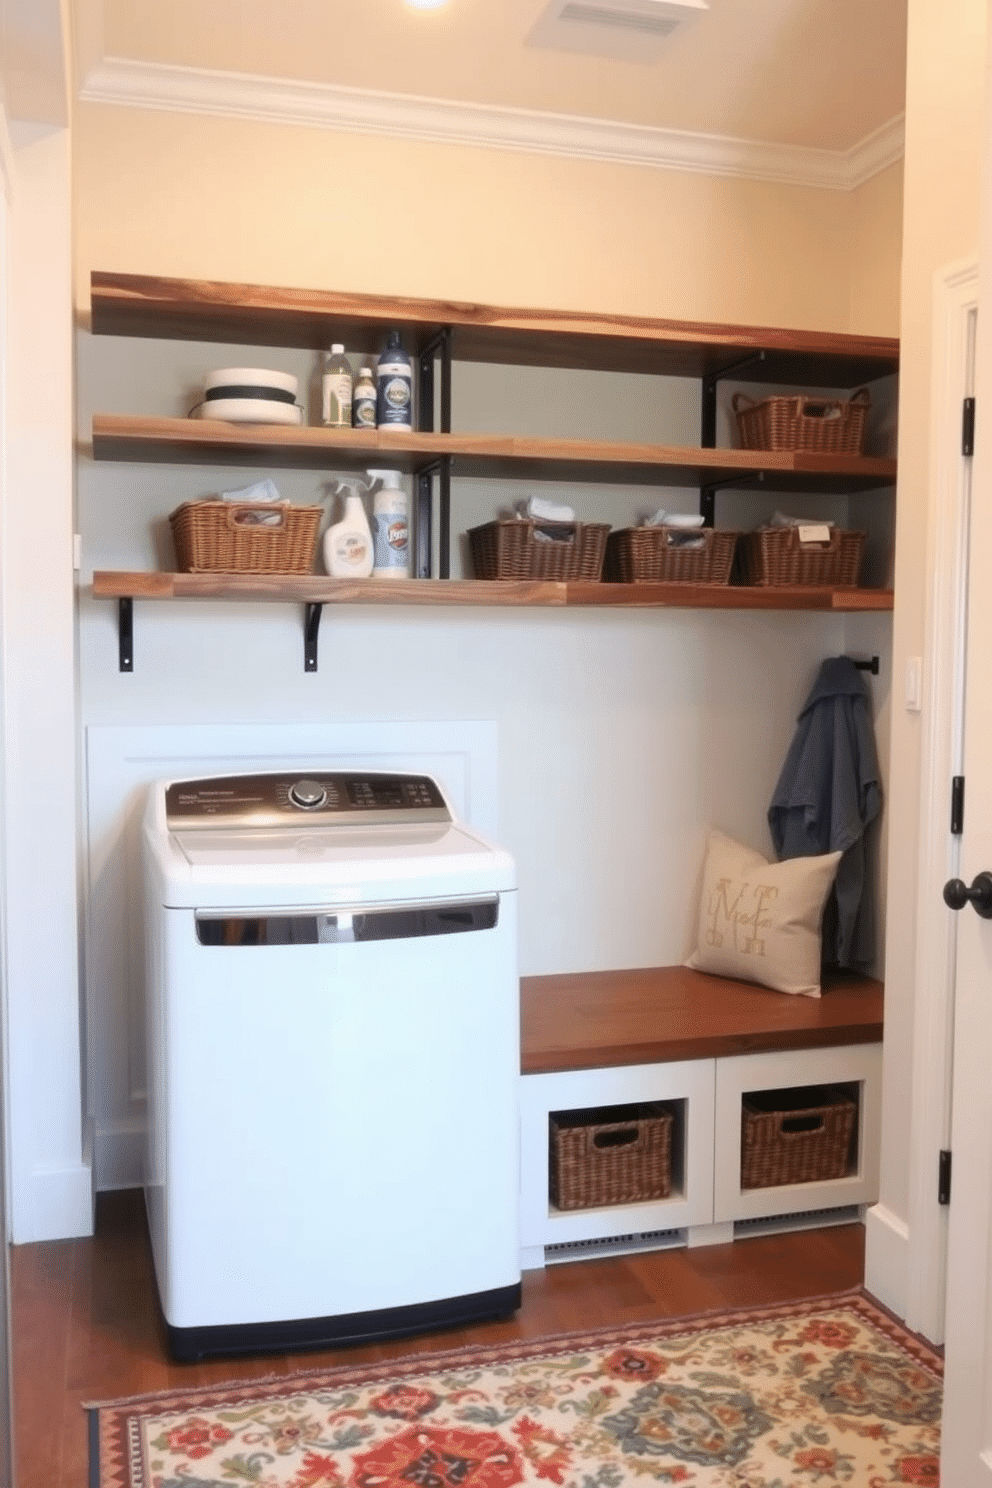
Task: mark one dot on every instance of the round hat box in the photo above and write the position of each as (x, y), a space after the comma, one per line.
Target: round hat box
(250, 395)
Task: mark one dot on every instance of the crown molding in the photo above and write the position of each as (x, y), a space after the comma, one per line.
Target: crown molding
(154, 85)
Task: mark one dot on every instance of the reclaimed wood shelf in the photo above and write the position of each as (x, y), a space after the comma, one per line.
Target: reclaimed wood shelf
(124, 437)
(202, 310)
(445, 331)
(658, 1015)
(315, 590)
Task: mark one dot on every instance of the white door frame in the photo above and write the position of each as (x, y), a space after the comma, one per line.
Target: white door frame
(954, 315)
(6, 1380)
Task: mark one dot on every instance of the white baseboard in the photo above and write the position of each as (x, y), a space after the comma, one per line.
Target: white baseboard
(120, 1155)
(887, 1258)
(53, 1204)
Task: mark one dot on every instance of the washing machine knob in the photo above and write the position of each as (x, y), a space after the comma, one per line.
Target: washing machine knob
(307, 794)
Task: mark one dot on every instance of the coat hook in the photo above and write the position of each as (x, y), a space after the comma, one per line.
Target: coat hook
(868, 666)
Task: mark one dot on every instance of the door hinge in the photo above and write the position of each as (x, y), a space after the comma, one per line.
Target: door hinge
(957, 805)
(944, 1178)
(968, 427)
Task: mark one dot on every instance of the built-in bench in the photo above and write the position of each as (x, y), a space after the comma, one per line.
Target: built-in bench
(613, 1038)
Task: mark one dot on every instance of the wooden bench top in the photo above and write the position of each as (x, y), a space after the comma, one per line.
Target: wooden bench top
(656, 1015)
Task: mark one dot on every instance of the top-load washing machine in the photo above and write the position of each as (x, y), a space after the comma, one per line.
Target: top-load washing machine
(333, 1016)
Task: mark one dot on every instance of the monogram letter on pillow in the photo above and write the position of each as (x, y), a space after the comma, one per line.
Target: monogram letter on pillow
(760, 921)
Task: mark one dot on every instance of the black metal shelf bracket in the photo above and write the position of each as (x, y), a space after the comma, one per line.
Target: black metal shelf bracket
(708, 410)
(125, 634)
(311, 630)
(439, 347)
(707, 494)
(422, 533)
(422, 526)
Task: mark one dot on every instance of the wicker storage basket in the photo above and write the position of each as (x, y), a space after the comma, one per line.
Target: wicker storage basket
(521, 548)
(669, 555)
(833, 426)
(225, 537)
(796, 1136)
(610, 1155)
(779, 555)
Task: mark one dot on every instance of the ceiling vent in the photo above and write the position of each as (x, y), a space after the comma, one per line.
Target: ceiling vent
(626, 30)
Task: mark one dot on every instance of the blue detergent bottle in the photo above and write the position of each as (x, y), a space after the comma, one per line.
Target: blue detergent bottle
(394, 387)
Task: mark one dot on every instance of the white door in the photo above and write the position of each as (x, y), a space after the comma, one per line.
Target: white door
(966, 1460)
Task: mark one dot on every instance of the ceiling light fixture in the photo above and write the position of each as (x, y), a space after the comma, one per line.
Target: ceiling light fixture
(426, 4)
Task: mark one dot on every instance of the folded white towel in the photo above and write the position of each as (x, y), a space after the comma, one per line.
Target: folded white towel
(779, 519)
(262, 491)
(661, 518)
(546, 511)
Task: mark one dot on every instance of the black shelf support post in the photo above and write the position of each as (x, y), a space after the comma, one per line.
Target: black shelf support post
(707, 494)
(125, 634)
(422, 526)
(422, 530)
(438, 347)
(444, 519)
(707, 432)
(311, 630)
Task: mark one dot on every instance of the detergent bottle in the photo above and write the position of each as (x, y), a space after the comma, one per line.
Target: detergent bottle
(390, 525)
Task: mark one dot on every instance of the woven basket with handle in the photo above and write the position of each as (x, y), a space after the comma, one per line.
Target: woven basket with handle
(522, 548)
(796, 1136)
(782, 555)
(610, 1155)
(787, 422)
(227, 537)
(669, 555)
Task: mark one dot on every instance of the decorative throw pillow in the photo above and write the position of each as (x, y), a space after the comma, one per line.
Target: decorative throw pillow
(760, 921)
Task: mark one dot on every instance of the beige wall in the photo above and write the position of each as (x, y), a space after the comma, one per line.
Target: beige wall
(231, 199)
(875, 252)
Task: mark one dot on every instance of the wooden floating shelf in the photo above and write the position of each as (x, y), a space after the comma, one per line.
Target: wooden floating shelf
(124, 437)
(307, 589)
(202, 310)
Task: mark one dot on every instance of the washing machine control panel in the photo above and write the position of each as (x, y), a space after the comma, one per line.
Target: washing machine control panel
(321, 798)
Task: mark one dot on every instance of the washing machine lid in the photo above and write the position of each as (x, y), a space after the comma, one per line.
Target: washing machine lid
(328, 838)
(357, 848)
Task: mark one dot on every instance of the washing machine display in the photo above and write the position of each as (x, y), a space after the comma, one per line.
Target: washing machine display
(333, 1061)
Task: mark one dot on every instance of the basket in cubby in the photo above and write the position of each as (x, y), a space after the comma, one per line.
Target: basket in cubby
(802, 422)
(799, 1135)
(669, 555)
(610, 1155)
(524, 548)
(784, 555)
(215, 536)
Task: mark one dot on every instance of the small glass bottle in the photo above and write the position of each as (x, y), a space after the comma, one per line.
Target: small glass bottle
(363, 403)
(336, 387)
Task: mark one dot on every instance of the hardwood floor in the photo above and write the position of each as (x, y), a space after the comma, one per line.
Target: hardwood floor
(86, 1324)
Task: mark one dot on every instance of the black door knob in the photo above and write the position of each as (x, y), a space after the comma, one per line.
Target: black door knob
(957, 894)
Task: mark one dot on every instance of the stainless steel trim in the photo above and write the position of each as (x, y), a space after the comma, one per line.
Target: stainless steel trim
(339, 927)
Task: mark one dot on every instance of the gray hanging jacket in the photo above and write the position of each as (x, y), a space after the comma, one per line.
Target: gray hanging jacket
(827, 796)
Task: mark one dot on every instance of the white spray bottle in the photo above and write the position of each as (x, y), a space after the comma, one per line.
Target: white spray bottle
(348, 542)
(390, 525)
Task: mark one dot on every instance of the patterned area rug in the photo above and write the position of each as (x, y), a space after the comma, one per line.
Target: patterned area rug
(819, 1393)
